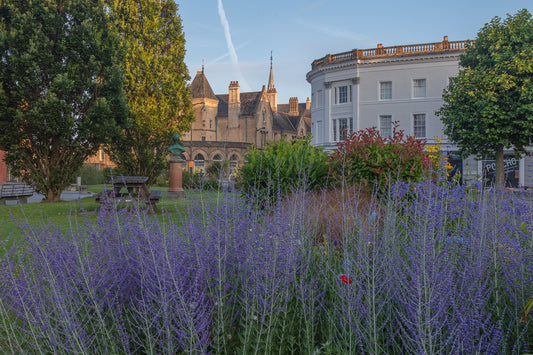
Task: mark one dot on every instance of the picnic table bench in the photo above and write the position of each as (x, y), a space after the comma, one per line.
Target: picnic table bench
(19, 192)
(137, 191)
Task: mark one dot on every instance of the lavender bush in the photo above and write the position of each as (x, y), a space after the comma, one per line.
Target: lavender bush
(432, 269)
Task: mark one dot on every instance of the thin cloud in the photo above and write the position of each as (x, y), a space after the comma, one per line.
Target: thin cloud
(227, 54)
(229, 43)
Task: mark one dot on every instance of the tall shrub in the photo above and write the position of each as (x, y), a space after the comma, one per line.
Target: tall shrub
(283, 167)
(367, 158)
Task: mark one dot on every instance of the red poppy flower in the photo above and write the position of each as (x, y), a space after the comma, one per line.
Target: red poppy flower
(345, 279)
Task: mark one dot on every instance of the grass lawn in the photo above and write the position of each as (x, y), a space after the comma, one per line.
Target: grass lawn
(71, 213)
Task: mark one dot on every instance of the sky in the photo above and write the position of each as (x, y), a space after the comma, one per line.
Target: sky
(234, 38)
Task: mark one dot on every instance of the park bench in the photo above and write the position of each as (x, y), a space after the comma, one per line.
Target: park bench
(155, 196)
(15, 191)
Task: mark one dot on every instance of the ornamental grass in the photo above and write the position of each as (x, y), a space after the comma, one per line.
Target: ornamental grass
(429, 269)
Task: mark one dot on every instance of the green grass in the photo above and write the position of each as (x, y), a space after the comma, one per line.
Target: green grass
(67, 214)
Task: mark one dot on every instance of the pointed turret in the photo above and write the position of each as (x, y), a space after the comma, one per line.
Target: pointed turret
(205, 104)
(200, 87)
(271, 77)
(271, 90)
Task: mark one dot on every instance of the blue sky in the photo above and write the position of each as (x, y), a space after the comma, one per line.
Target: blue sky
(234, 38)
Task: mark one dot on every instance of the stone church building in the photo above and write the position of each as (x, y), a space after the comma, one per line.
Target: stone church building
(226, 125)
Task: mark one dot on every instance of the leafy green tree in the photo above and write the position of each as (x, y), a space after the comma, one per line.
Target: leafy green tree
(155, 84)
(61, 91)
(489, 105)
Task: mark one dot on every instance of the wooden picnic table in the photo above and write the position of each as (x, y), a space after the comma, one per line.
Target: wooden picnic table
(137, 191)
(136, 186)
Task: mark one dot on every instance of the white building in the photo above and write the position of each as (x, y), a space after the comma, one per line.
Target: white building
(375, 87)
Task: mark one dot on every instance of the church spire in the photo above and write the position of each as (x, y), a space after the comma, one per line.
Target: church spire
(271, 90)
(271, 77)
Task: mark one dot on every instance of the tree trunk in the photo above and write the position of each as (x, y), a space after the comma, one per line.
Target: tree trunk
(52, 196)
(500, 176)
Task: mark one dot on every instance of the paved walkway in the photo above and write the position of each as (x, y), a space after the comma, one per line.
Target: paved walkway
(65, 196)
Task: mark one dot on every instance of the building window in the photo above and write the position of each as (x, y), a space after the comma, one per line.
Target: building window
(102, 156)
(419, 88)
(385, 90)
(233, 165)
(341, 127)
(385, 126)
(199, 163)
(419, 125)
(343, 94)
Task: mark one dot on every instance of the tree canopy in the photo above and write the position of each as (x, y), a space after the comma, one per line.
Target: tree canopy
(61, 91)
(488, 107)
(155, 84)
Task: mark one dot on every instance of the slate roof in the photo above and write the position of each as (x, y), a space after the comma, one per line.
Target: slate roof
(200, 87)
(249, 102)
(285, 107)
(222, 105)
(284, 122)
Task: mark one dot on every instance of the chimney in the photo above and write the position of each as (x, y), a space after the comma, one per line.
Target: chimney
(307, 104)
(234, 104)
(293, 106)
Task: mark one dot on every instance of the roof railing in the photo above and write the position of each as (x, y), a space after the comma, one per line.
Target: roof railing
(381, 52)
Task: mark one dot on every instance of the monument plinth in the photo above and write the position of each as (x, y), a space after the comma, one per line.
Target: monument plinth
(175, 182)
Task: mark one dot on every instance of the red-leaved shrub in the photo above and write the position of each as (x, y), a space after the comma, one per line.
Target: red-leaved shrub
(367, 158)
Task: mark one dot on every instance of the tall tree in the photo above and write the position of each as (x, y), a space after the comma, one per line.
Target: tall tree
(61, 91)
(489, 105)
(155, 84)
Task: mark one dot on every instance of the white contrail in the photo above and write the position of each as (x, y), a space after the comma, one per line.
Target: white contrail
(229, 42)
(225, 55)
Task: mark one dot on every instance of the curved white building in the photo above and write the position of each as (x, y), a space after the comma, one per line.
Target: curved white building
(375, 87)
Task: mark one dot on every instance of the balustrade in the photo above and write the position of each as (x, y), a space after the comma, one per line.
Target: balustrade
(381, 51)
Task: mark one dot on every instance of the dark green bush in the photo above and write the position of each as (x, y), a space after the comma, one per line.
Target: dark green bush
(198, 181)
(109, 173)
(283, 167)
(91, 175)
(163, 179)
(217, 170)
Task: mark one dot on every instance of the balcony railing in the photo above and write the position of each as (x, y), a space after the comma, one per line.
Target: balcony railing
(381, 52)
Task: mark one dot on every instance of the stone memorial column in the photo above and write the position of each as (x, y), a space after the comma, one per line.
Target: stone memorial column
(175, 189)
(175, 182)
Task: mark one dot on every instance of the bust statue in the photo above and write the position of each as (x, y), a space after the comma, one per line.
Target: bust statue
(176, 149)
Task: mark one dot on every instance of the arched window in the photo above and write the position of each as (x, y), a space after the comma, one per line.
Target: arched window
(199, 163)
(217, 157)
(233, 164)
